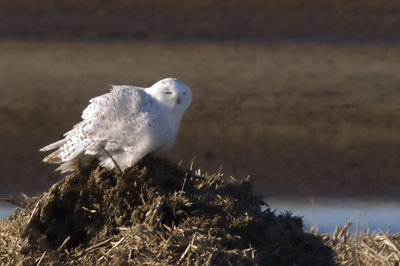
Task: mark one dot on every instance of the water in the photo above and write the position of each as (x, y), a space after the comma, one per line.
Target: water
(326, 214)
(6, 209)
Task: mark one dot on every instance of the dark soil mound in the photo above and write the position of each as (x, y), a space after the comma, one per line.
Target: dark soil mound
(157, 213)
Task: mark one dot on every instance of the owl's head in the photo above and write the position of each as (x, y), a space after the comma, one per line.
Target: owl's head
(171, 93)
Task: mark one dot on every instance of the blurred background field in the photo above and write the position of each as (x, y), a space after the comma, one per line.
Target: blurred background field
(235, 20)
(304, 96)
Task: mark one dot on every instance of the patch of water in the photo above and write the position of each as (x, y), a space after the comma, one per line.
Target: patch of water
(326, 214)
(6, 209)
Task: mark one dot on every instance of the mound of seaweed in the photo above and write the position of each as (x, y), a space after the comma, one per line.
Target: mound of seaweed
(157, 213)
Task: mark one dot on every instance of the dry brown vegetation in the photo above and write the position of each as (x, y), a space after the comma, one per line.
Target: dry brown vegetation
(160, 214)
(155, 214)
(364, 248)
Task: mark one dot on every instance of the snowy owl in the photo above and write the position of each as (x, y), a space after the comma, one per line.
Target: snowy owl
(119, 128)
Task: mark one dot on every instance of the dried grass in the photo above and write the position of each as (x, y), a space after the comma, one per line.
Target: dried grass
(155, 214)
(176, 229)
(364, 248)
(159, 214)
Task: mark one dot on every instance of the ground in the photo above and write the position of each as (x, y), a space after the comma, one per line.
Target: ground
(303, 120)
(302, 95)
(158, 213)
(254, 20)
(155, 214)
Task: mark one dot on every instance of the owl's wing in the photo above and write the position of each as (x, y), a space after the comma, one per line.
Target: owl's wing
(121, 100)
(110, 121)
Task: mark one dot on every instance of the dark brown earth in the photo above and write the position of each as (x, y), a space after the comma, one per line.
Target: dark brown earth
(159, 214)
(156, 214)
(301, 95)
(256, 20)
(304, 120)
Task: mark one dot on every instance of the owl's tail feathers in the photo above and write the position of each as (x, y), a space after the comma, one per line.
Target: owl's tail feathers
(73, 161)
(79, 162)
(53, 146)
(53, 157)
(69, 166)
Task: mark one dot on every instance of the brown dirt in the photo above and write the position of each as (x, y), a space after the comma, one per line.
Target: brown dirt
(339, 20)
(302, 120)
(155, 214)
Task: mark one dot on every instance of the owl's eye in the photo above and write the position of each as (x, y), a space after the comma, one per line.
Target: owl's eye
(168, 92)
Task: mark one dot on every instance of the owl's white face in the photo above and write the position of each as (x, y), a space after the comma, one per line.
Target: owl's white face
(172, 93)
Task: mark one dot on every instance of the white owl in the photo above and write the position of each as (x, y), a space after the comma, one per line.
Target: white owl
(123, 126)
